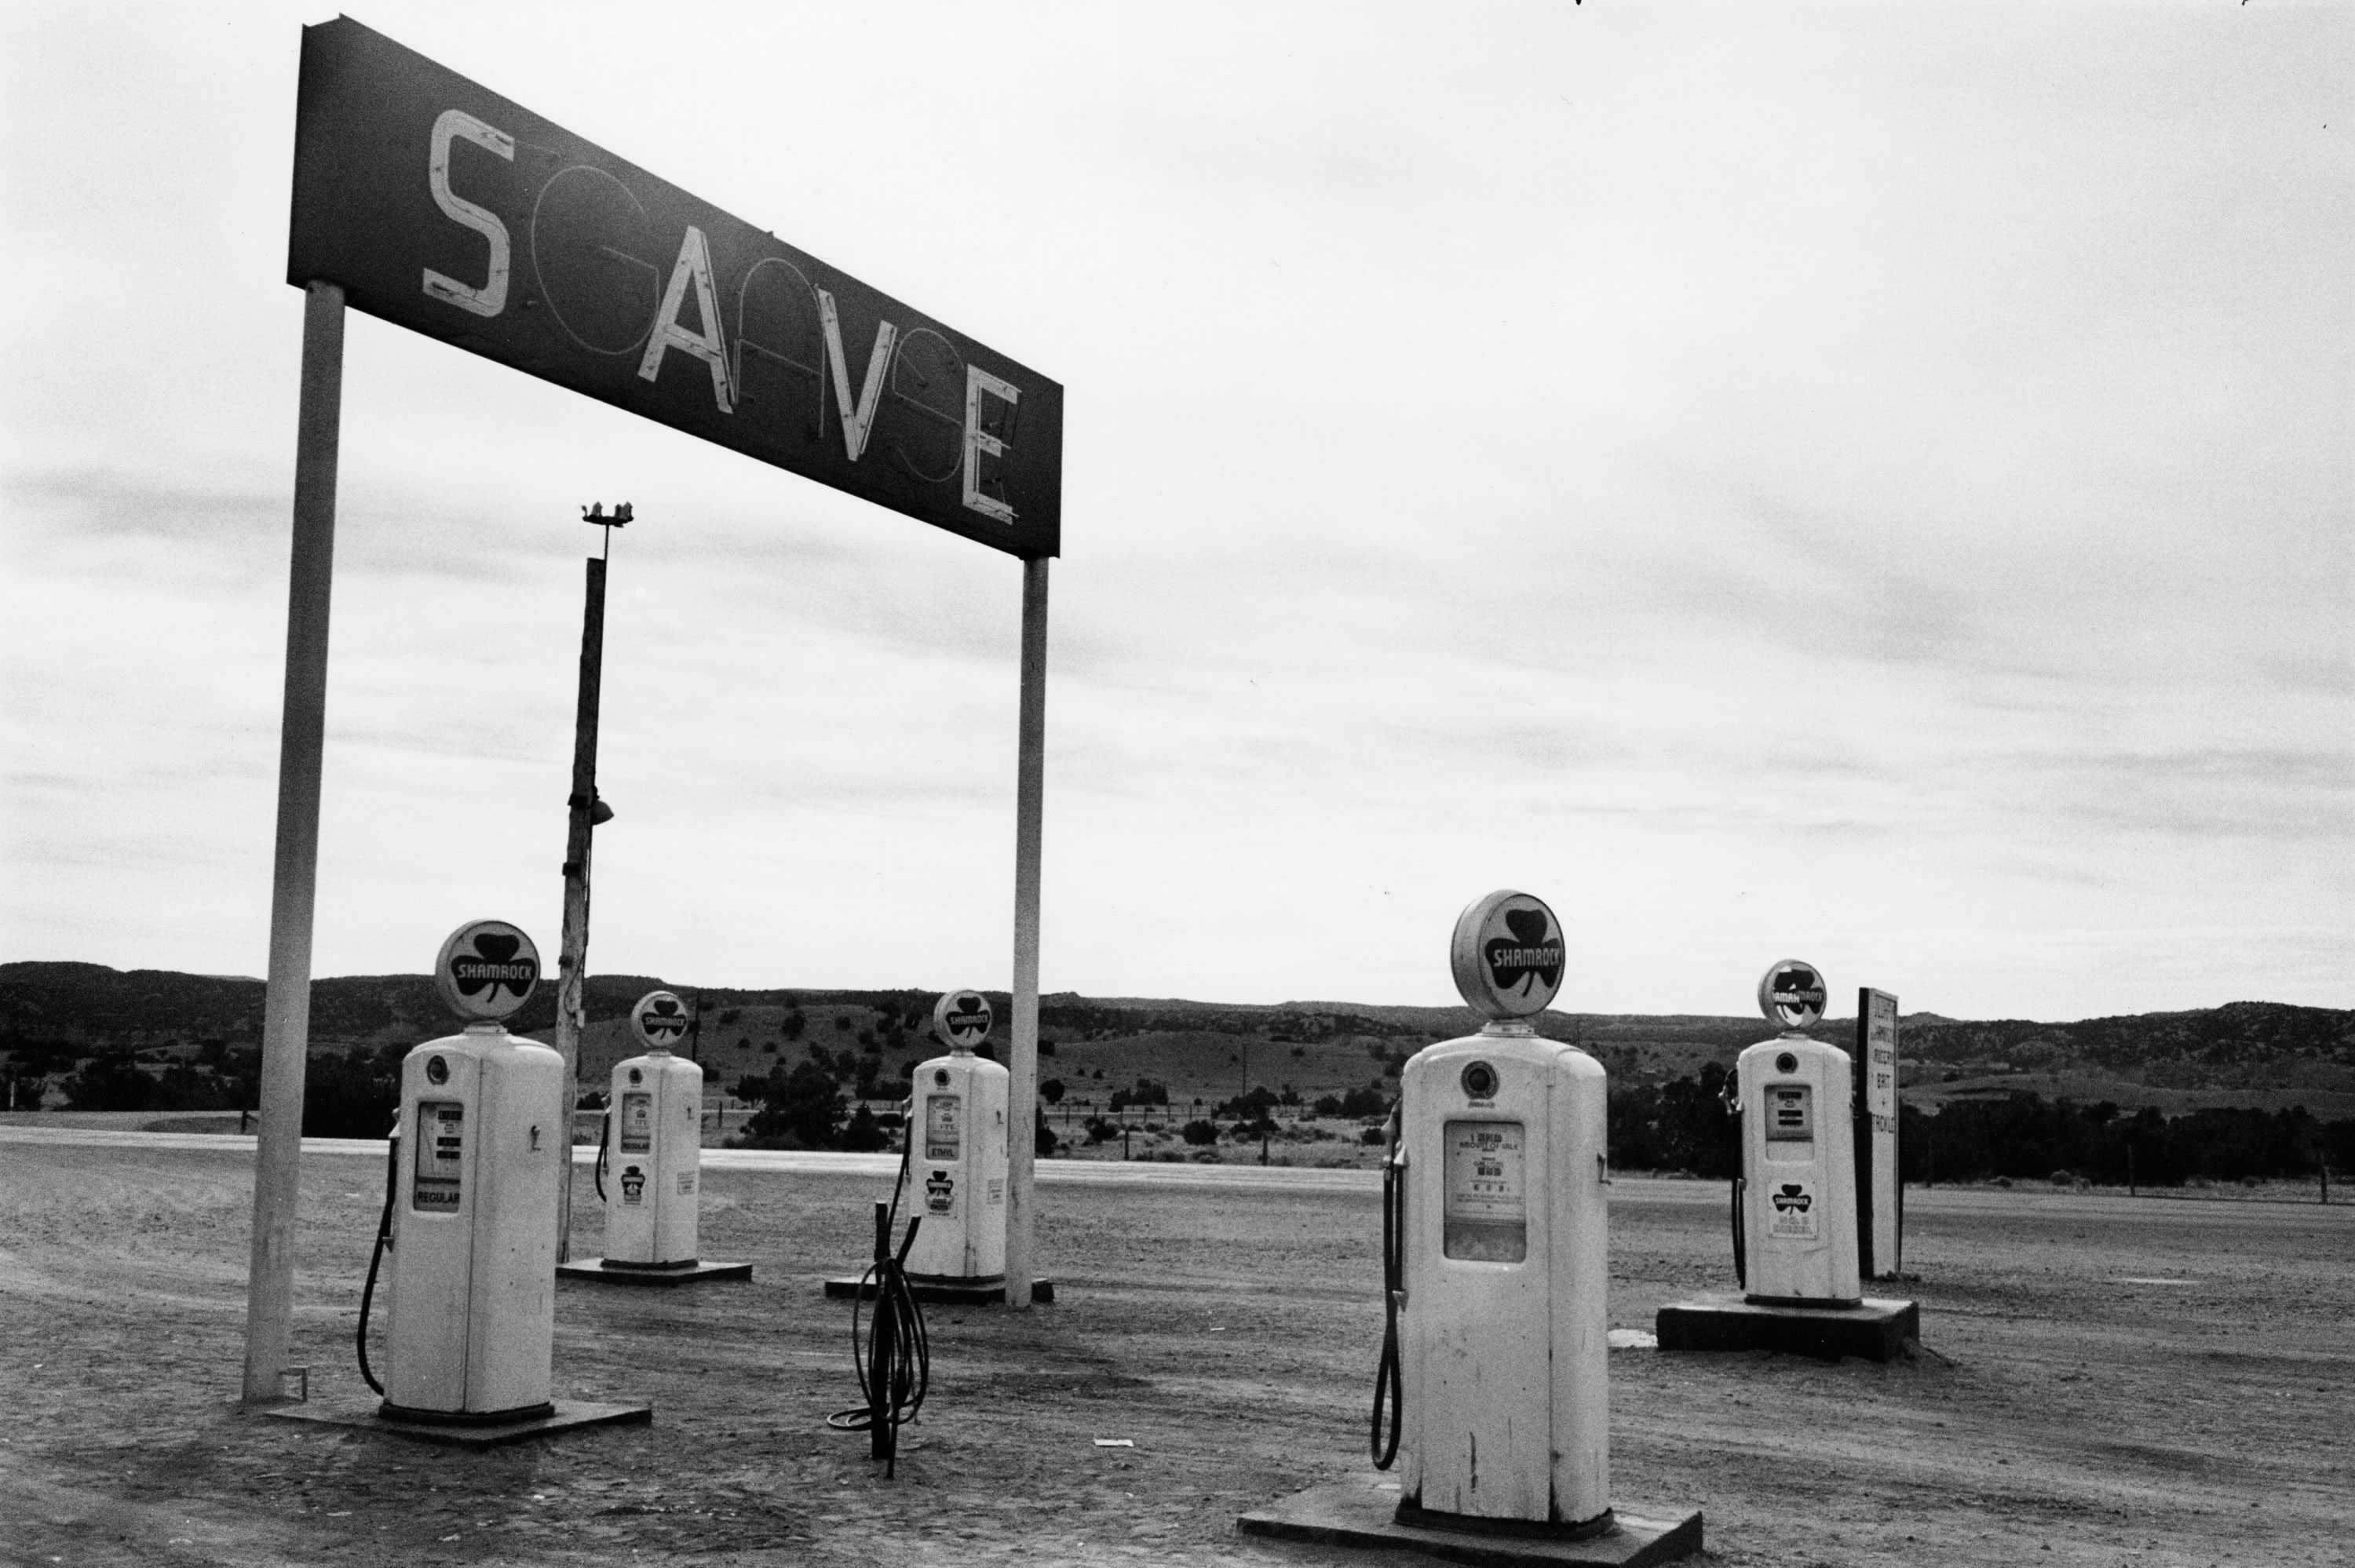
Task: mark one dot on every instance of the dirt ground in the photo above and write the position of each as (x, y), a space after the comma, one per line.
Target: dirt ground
(2103, 1382)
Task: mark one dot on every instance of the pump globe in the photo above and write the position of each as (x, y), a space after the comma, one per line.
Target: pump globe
(1507, 954)
(486, 971)
(1791, 993)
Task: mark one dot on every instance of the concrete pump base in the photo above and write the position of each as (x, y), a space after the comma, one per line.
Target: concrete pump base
(597, 1269)
(570, 1414)
(1364, 1512)
(1874, 1330)
(943, 1293)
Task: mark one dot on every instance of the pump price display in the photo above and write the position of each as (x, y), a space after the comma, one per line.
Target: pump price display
(943, 1116)
(440, 1155)
(1484, 1210)
(1790, 1118)
(638, 1123)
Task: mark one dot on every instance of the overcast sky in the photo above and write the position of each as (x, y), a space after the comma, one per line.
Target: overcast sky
(1865, 484)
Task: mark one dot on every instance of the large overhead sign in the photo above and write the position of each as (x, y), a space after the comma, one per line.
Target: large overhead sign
(436, 204)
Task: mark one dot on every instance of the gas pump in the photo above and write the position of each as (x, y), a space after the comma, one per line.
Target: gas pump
(1496, 1249)
(471, 1297)
(653, 1146)
(956, 1145)
(1794, 1207)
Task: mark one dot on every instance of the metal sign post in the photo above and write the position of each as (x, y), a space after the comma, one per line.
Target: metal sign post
(286, 1002)
(1022, 1091)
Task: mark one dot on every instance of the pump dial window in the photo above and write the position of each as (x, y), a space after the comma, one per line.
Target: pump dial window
(1790, 1113)
(1480, 1081)
(1483, 1209)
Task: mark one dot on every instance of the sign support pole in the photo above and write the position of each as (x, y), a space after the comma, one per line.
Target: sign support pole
(572, 957)
(295, 879)
(1022, 1090)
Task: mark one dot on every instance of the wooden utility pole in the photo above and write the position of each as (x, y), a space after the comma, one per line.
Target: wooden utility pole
(1022, 1088)
(294, 879)
(583, 811)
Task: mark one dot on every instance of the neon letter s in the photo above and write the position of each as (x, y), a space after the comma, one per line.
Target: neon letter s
(491, 297)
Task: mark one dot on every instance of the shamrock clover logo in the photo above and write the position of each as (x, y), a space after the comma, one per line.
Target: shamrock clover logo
(964, 1017)
(1531, 954)
(1793, 1196)
(494, 966)
(662, 1018)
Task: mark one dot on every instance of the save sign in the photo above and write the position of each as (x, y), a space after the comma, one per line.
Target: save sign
(437, 205)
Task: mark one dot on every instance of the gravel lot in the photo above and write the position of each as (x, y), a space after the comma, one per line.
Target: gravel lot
(2105, 1380)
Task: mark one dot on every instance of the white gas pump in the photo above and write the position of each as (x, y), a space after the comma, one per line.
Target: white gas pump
(1794, 1242)
(1496, 1253)
(651, 1154)
(472, 1294)
(956, 1148)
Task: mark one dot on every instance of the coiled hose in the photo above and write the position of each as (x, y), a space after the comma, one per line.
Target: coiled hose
(383, 1241)
(1740, 1239)
(1740, 1185)
(604, 1145)
(892, 1355)
(1388, 1392)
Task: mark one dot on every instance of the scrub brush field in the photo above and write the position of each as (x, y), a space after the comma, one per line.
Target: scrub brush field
(2102, 1381)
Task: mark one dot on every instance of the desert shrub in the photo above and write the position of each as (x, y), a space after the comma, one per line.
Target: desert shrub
(1253, 1105)
(862, 1134)
(1199, 1132)
(799, 1109)
(355, 1094)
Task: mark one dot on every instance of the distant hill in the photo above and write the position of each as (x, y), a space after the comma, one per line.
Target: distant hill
(55, 1014)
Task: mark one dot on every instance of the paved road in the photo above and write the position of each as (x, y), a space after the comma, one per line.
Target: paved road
(2180, 1209)
(1052, 1172)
